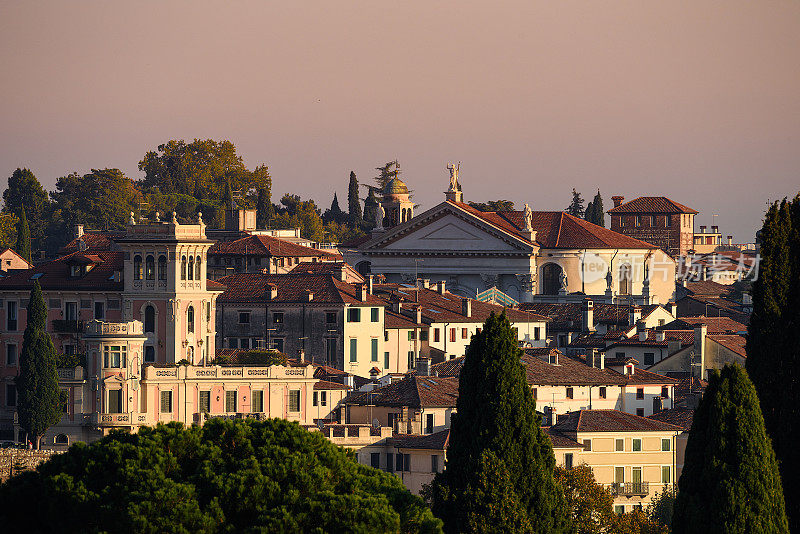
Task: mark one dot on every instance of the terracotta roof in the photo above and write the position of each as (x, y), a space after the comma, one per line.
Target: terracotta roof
(438, 441)
(609, 421)
(714, 325)
(568, 372)
(556, 229)
(325, 384)
(640, 376)
(265, 245)
(55, 275)
(651, 205)
(688, 387)
(15, 253)
(707, 288)
(213, 285)
(569, 315)
(680, 417)
(723, 305)
(326, 267)
(356, 241)
(413, 391)
(394, 320)
(733, 343)
(94, 241)
(686, 337)
(448, 367)
(560, 441)
(292, 288)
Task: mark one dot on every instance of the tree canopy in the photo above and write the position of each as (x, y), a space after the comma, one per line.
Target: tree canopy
(226, 476)
(23, 246)
(496, 414)
(730, 481)
(25, 190)
(773, 340)
(493, 205)
(595, 212)
(102, 199)
(575, 207)
(353, 202)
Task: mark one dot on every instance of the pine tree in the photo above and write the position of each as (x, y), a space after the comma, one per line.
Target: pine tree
(575, 207)
(353, 203)
(730, 481)
(23, 236)
(335, 209)
(264, 209)
(385, 173)
(38, 403)
(773, 340)
(496, 413)
(599, 216)
(370, 208)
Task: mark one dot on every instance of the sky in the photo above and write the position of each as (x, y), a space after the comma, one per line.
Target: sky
(696, 100)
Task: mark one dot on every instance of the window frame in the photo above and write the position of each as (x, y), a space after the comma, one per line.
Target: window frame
(165, 399)
(636, 442)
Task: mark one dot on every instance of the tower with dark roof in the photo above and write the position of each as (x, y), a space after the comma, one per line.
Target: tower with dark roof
(396, 202)
(659, 221)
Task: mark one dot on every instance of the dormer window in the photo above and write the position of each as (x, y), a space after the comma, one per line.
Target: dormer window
(137, 267)
(74, 271)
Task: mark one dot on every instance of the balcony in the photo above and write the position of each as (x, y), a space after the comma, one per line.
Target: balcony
(67, 326)
(118, 419)
(630, 489)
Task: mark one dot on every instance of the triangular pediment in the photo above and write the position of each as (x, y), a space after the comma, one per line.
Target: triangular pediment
(113, 378)
(451, 231)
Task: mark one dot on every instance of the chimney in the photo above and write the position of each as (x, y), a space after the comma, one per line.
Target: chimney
(348, 381)
(700, 349)
(601, 360)
(617, 200)
(588, 315)
(466, 307)
(370, 284)
(673, 308)
(591, 357)
(730, 240)
(714, 229)
(629, 369)
(78, 231)
(634, 315)
(418, 312)
(341, 273)
(272, 291)
(373, 373)
(302, 356)
(361, 292)
(702, 228)
(440, 287)
(643, 335)
(660, 336)
(423, 366)
(309, 295)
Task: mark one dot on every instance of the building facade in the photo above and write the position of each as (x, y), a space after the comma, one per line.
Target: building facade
(656, 220)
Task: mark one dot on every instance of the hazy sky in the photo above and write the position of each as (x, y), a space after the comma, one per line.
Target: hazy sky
(697, 100)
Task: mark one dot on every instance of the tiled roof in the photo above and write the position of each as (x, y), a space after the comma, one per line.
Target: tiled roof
(438, 441)
(556, 229)
(680, 417)
(327, 267)
(448, 367)
(722, 305)
(55, 275)
(213, 285)
(568, 372)
(413, 391)
(707, 288)
(394, 320)
(714, 325)
(609, 421)
(265, 245)
(686, 337)
(15, 253)
(733, 343)
(325, 384)
(292, 288)
(688, 387)
(640, 376)
(94, 242)
(569, 316)
(560, 441)
(651, 205)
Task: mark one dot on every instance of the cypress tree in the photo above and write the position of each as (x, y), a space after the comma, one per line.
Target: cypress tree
(264, 211)
(589, 213)
(496, 414)
(38, 403)
(23, 236)
(598, 214)
(370, 208)
(730, 481)
(353, 203)
(773, 340)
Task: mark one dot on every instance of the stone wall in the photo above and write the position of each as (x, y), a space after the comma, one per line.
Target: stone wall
(22, 459)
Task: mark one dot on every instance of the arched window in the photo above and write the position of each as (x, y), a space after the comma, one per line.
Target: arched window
(162, 267)
(551, 279)
(190, 269)
(149, 354)
(150, 268)
(149, 319)
(183, 267)
(137, 267)
(62, 439)
(190, 320)
(625, 279)
(197, 268)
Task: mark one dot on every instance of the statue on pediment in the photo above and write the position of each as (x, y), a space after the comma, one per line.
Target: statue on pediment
(453, 168)
(528, 216)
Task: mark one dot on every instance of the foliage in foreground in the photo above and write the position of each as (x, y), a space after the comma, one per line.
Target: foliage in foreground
(228, 476)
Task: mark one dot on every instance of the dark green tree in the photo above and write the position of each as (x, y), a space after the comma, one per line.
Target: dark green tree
(493, 205)
(226, 476)
(102, 199)
(353, 202)
(575, 207)
(773, 340)
(38, 402)
(496, 413)
(730, 481)
(264, 210)
(386, 172)
(370, 208)
(23, 236)
(25, 190)
(588, 214)
(598, 213)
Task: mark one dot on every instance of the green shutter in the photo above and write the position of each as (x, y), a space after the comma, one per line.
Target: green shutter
(374, 350)
(353, 350)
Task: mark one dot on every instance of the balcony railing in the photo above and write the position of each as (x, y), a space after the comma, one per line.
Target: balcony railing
(630, 488)
(67, 326)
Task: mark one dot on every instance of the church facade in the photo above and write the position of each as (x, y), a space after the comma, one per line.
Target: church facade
(532, 256)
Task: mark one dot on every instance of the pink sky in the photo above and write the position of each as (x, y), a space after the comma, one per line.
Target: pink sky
(696, 100)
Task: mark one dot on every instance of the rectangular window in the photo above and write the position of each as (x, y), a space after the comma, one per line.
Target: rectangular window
(374, 315)
(640, 412)
(294, 400)
(100, 311)
(375, 460)
(535, 393)
(637, 444)
(330, 350)
(619, 355)
(411, 335)
(205, 401)
(257, 401)
(11, 316)
(244, 343)
(429, 423)
(115, 401)
(568, 460)
(113, 304)
(114, 356)
(244, 317)
(374, 353)
(434, 463)
(619, 445)
(399, 462)
(435, 335)
(664, 392)
(323, 398)
(537, 333)
(233, 343)
(166, 402)
(277, 318)
(390, 462)
(277, 344)
(423, 335)
(314, 399)
(11, 355)
(54, 304)
(11, 395)
(354, 315)
(602, 392)
(649, 358)
(464, 333)
(330, 317)
(353, 350)
(666, 474)
(385, 360)
(666, 444)
(619, 475)
(411, 359)
(406, 462)
(619, 509)
(569, 393)
(230, 401)
(639, 393)
(71, 311)
(452, 334)
(587, 445)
